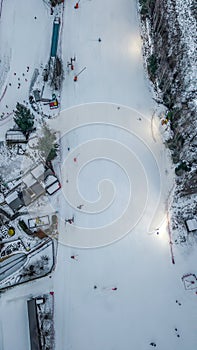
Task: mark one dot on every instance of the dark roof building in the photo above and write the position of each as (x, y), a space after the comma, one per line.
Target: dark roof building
(37, 95)
(32, 193)
(34, 331)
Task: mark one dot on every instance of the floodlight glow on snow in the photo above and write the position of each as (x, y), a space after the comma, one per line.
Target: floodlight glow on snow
(135, 46)
(162, 233)
(105, 138)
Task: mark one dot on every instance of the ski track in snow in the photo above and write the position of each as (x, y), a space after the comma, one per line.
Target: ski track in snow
(143, 309)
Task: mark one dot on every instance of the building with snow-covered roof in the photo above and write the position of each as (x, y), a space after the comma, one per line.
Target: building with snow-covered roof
(15, 136)
(39, 221)
(191, 224)
(14, 201)
(52, 183)
(53, 188)
(34, 186)
(38, 171)
(29, 180)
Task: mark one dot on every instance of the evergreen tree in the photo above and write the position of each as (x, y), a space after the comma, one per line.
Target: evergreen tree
(55, 2)
(23, 118)
(46, 144)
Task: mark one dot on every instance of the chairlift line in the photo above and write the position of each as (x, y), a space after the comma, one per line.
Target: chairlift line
(81, 71)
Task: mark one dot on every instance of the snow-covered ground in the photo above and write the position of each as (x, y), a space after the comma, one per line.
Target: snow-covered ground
(114, 173)
(150, 300)
(25, 33)
(113, 66)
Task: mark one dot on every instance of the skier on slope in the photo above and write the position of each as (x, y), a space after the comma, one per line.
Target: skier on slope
(74, 257)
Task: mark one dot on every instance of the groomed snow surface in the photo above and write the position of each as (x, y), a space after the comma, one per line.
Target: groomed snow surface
(150, 300)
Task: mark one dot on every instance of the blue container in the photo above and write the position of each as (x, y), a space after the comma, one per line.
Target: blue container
(55, 36)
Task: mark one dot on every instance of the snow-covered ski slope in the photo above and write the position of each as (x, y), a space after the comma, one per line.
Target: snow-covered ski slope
(113, 175)
(143, 309)
(113, 65)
